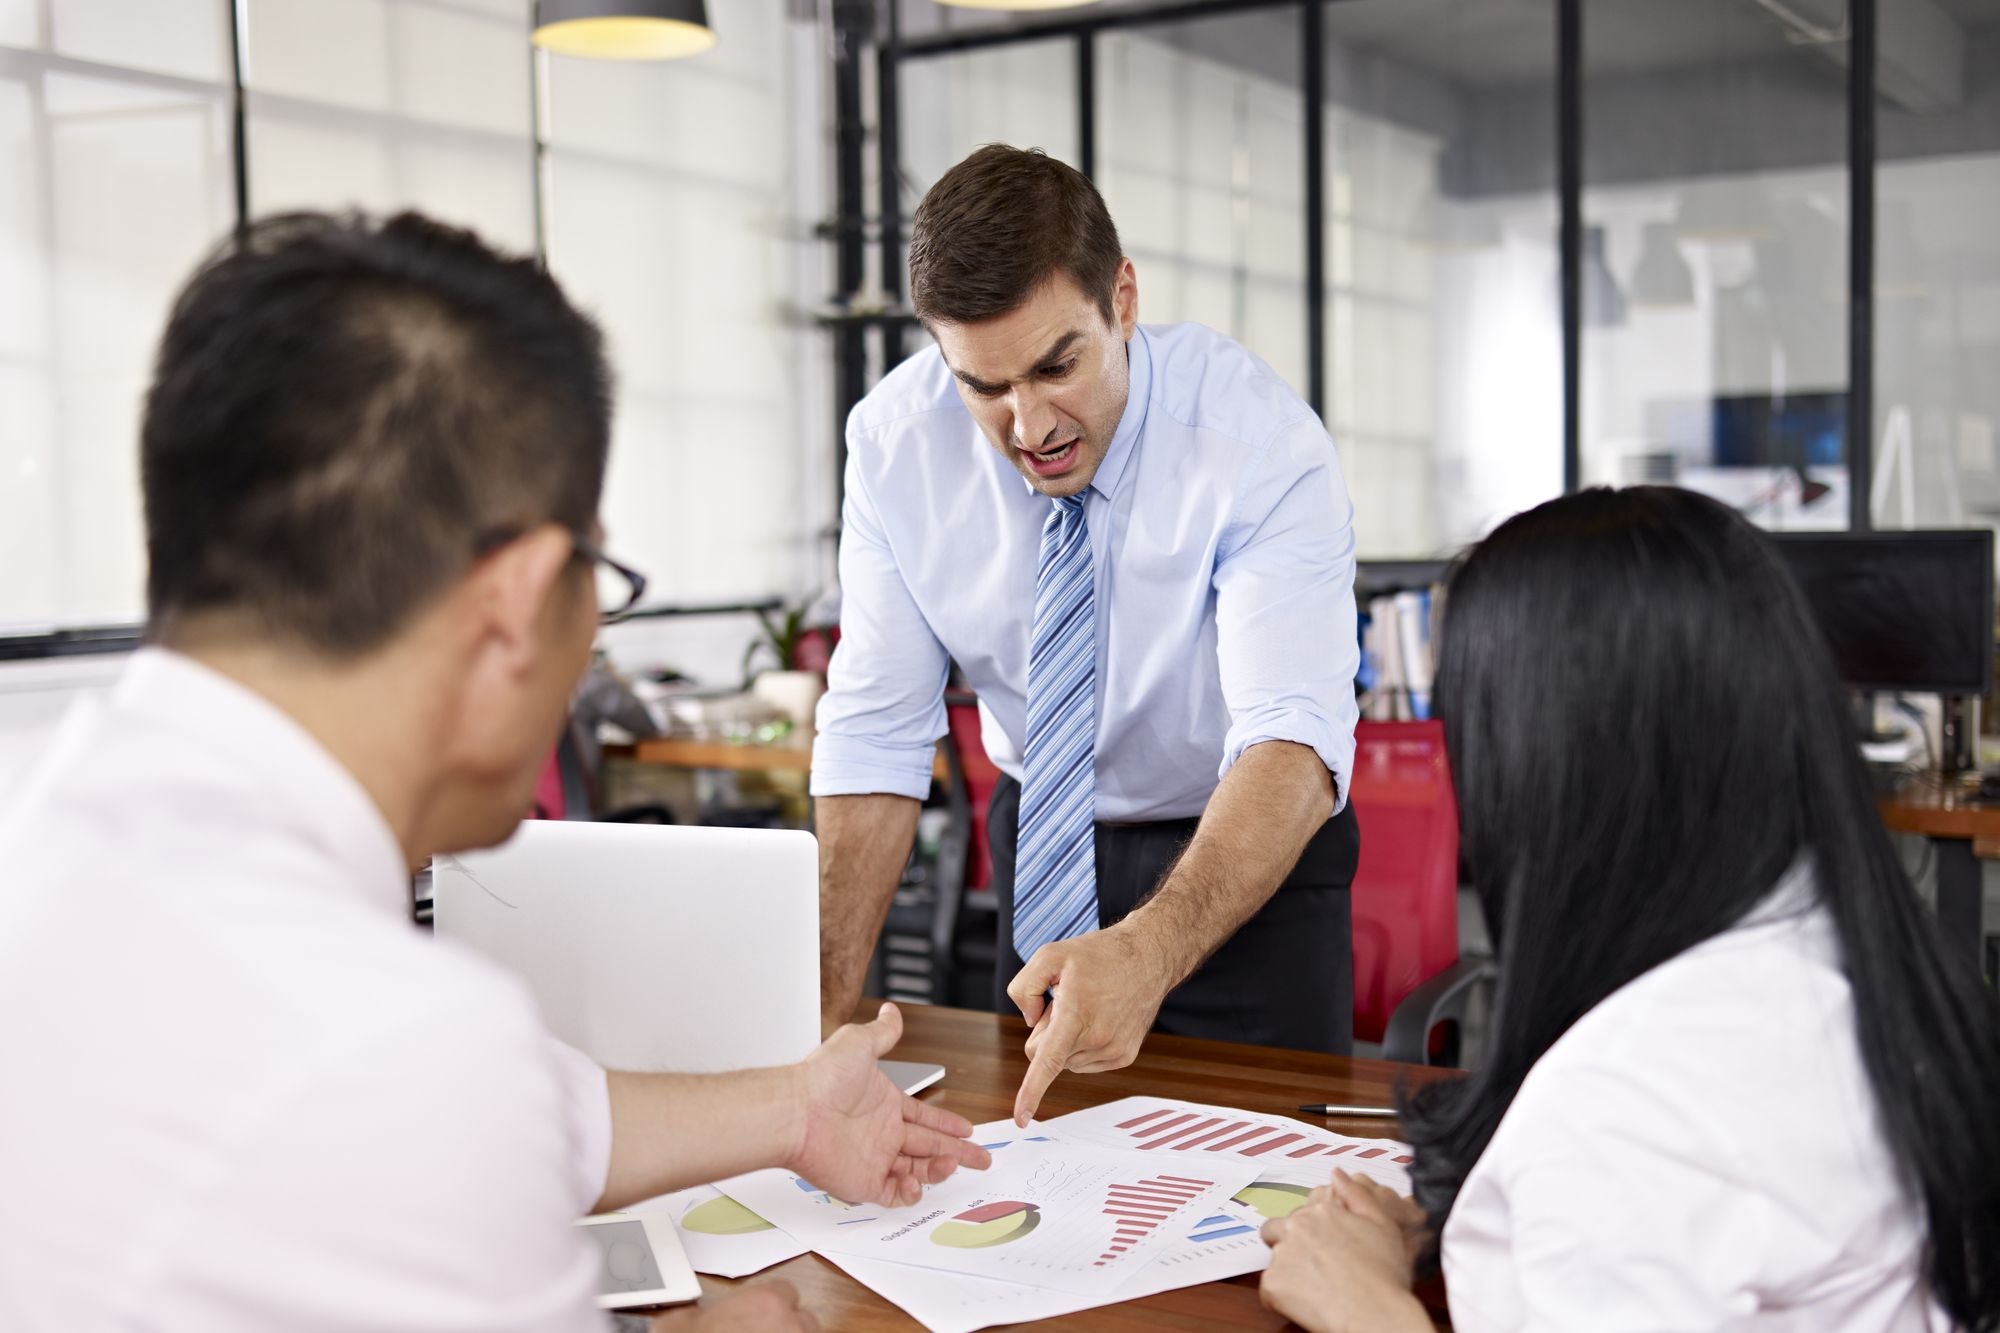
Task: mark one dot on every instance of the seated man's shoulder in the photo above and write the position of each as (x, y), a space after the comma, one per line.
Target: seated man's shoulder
(256, 1073)
(425, 1167)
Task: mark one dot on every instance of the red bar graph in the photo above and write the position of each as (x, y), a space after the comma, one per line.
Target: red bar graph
(1180, 1137)
(1164, 1125)
(1138, 1208)
(1187, 1144)
(1269, 1144)
(1173, 1130)
(1134, 1124)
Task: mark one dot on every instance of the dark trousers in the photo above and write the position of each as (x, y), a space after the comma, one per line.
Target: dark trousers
(1285, 979)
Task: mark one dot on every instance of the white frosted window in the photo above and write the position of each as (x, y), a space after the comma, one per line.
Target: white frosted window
(391, 104)
(117, 182)
(1024, 95)
(187, 38)
(1199, 162)
(674, 213)
(673, 217)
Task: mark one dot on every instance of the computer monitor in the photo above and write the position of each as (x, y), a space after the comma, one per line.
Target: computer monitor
(1785, 430)
(1907, 611)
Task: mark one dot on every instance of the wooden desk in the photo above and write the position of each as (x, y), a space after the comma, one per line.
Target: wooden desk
(791, 755)
(983, 1064)
(1963, 832)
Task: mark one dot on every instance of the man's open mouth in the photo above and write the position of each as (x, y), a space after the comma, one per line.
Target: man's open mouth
(1052, 462)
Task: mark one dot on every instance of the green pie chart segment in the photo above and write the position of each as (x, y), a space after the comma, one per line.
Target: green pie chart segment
(723, 1217)
(1272, 1198)
(988, 1224)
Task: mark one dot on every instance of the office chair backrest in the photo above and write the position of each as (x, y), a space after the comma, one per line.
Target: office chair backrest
(1406, 884)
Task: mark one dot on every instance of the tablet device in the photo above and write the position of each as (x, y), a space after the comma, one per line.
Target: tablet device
(642, 1262)
(910, 1076)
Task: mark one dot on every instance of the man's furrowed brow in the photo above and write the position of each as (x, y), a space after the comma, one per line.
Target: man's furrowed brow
(1046, 359)
(1061, 345)
(973, 382)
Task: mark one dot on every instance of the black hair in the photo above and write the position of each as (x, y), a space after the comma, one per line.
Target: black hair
(1645, 729)
(343, 409)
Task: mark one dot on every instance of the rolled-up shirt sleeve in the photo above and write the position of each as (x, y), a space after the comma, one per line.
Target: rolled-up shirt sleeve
(587, 1101)
(883, 711)
(1284, 605)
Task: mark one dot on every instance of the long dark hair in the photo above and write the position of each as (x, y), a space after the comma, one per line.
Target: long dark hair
(1646, 729)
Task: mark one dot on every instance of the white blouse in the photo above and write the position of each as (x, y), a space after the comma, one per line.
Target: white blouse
(1701, 1151)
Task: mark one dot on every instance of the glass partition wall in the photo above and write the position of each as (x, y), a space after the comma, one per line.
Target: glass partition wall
(1560, 242)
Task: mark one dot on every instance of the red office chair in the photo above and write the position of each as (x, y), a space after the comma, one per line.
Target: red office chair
(981, 775)
(1409, 980)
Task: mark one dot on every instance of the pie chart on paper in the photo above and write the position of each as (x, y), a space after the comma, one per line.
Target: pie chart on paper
(1272, 1198)
(988, 1224)
(723, 1217)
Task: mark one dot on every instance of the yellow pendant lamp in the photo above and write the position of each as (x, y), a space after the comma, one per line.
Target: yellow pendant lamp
(623, 29)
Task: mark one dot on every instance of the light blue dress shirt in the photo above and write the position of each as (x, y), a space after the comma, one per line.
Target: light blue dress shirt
(1223, 544)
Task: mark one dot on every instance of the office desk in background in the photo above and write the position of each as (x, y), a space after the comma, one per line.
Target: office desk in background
(984, 1065)
(1963, 832)
(791, 755)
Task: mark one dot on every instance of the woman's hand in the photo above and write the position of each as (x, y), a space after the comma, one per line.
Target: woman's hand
(1404, 1211)
(1341, 1263)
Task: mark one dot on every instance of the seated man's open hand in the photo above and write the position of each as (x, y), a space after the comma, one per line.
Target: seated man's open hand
(859, 1138)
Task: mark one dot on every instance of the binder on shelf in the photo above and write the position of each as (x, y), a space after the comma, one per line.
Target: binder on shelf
(1398, 657)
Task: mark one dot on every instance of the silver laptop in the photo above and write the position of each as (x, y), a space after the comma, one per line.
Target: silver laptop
(654, 947)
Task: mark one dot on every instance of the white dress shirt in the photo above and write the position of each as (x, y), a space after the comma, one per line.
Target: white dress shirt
(238, 1090)
(1223, 547)
(1701, 1151)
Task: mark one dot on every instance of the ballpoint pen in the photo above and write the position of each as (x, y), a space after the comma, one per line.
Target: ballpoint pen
(1384, 1112)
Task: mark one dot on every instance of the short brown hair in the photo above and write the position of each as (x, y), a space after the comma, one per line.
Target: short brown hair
(1001, 223)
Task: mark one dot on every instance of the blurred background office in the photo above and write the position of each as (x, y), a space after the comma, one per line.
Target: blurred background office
(1506, 247)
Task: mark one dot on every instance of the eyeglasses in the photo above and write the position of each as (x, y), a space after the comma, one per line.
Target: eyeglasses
(619, 586)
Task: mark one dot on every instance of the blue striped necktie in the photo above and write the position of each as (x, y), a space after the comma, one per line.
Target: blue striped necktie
(1055, 881)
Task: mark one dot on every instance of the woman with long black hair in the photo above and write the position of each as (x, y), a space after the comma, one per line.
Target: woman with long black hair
(1733, 1080)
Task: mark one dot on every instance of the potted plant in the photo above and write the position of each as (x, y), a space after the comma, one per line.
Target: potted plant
(795, 693)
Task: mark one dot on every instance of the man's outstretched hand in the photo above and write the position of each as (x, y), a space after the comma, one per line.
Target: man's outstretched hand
(859, 1138)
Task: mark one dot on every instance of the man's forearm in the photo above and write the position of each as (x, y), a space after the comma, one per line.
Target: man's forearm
(1263, 813)
(864, 843)
(671, 1131)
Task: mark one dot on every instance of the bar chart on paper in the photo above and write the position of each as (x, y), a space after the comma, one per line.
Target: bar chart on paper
(1190, 1138)
(1240, 1135)
(1137, 1210)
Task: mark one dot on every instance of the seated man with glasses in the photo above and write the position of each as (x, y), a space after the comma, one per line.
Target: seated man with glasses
(237, 1090)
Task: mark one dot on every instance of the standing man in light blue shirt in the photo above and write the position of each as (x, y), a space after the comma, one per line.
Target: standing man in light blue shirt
(1137, 546)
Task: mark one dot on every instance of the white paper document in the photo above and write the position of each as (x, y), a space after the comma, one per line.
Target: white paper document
(1048, 1213)
(721, 1237)
(1110, 1204)
(954, 1303)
